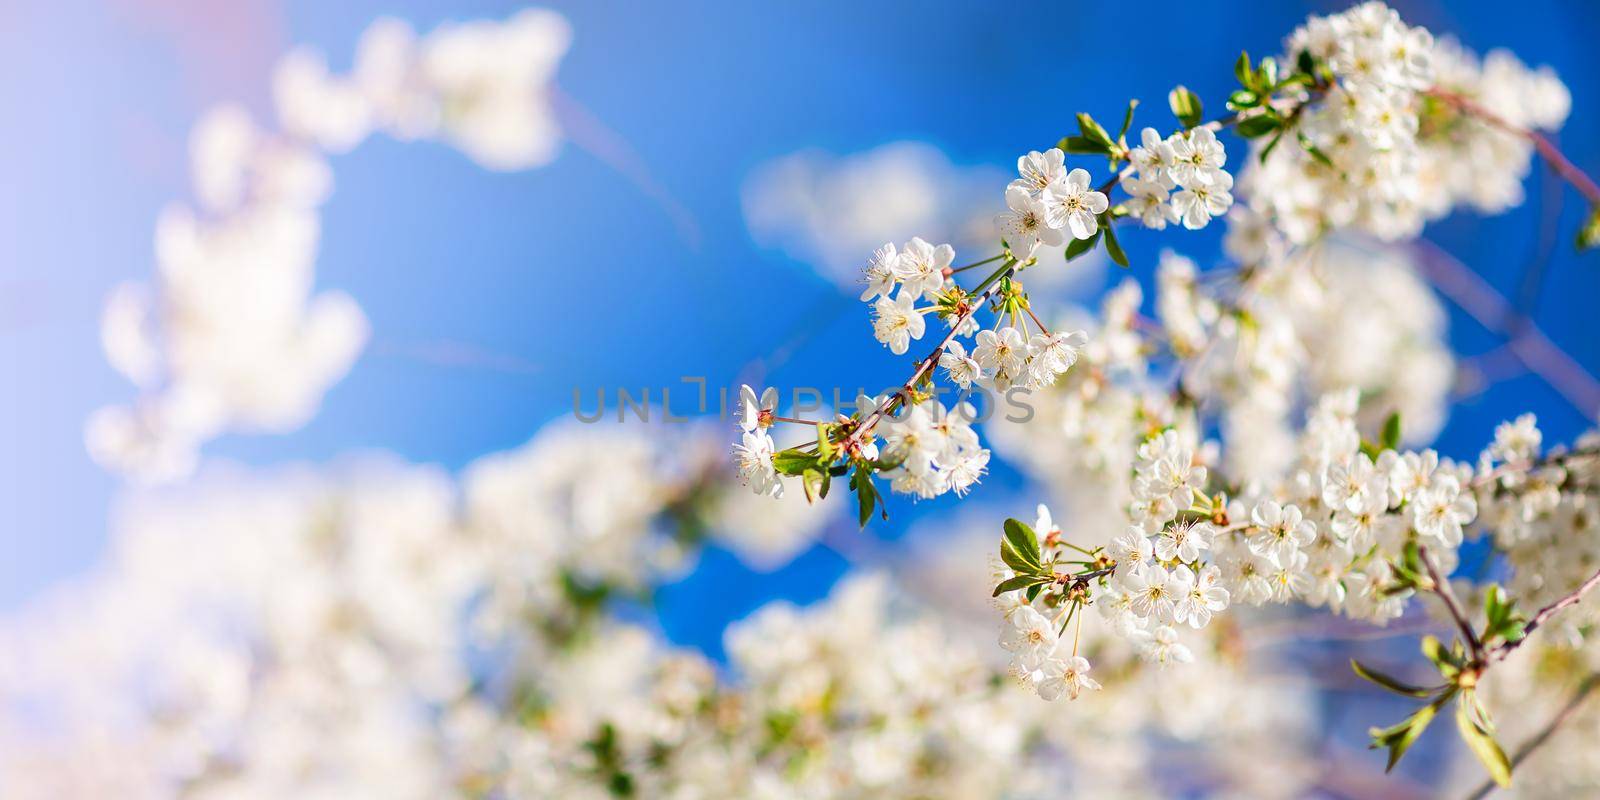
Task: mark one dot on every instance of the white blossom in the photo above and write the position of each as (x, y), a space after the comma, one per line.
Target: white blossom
(1072, 206)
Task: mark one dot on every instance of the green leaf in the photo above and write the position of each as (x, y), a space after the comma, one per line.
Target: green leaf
(824, 446)
(1316, 152)
(1018, 582)
(1078, 247)
(1033, 591)
(1495, 608)
(866, 494)
(1259, 126)
(890, 461)
(1484, 747)
(1589, 234)
(1399, 738)
(1092, 131)
(815, 482)
(1113, 247)
(1185, 106)
(1127, 121)
(1387, 682)
(1083, 146)
(1267, 73)
(1449, 662)
(1434, 650)
(1390, 438)
(1016, 561)
(1477, 711)
(792, 461)
(1504, 621)
(1305, 63)
(1241, 69)
(1272, 145)
(1242, 99)
(1026, 542)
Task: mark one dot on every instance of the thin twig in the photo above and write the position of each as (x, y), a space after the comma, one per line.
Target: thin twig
(1441, 587)
(1543, 615)
(888, 405)
(1538, 265)
(1525, 340)
(1547, 149)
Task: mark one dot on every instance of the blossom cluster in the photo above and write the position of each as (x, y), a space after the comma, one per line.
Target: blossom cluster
(391, 630)
(326, 631)
(1333, 531)
(384, 627)
(1188, 162)
(233, 336)
(1541, 508)
(1048, 203)
(1540, 681)
(1387, 146)
(1360, 168)
(1522, 97)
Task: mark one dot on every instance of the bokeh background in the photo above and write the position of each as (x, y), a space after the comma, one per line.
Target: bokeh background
(642, 253)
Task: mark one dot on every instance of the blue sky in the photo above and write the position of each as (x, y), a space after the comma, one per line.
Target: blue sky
(576, 275)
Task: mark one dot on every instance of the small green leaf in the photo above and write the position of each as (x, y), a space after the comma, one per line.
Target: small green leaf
(824, 445)
(1589, 234)
(1082, 145)
(1390, 438)
(1078, 247)
(1011, 558)
(1185, 106)
(1477, 711)
(866, 494)
(1503, 619)
(1241, 69)
(1272, 145)
(1113, 247)
(815, 482)
(1267, 73)
(1297, 79)
(1033, 592)
(1315, 152)
(1258, 126)
(1514, 629)
(1018, 582)
(1305, 63)
(1127, 121)
(1484, 747)
(1243, 99)
(1410, 563)
(1387, 682)
(1092, 131)
(1495, 608)
(792, 461)
(1399, 738)
(1449, 662)
(1026, 542)
(1433, 650)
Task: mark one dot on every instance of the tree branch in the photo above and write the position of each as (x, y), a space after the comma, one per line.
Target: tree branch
(1525, 340)
(1544, 614)
(1441, 587)
(1547, 149)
